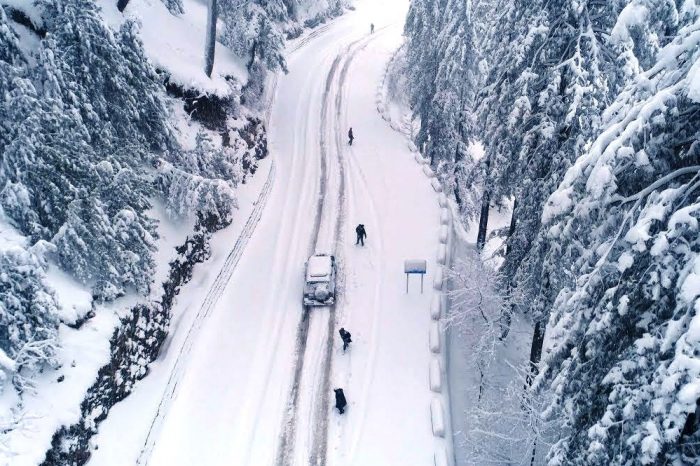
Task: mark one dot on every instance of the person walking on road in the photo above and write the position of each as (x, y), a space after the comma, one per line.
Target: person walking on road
(340, 401)
(361, 234)
(345, 336)
(350, 136)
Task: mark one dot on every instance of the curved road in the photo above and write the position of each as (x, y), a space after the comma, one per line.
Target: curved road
(253, 378)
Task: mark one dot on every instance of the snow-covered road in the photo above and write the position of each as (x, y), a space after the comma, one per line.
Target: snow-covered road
(254, 385)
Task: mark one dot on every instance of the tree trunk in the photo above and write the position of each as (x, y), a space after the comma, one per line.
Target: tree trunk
(691, 422)
(121, 4)
(253, 51)
(484, 217)
(483, 220)
(535, 352)
(210, 42)
(511, 229)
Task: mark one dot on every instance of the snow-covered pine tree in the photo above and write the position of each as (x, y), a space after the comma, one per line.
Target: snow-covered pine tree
(421, 30)
(254, 30)
(451, 122)
(91, 100)
(623, 359)
(46, 164)
(541, 106)
(111, 82)
(442, 56)
(28, 320)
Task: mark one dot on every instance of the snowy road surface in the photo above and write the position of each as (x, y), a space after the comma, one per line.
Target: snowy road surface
(254, 385)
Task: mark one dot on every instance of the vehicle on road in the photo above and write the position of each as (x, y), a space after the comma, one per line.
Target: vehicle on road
(319, 289)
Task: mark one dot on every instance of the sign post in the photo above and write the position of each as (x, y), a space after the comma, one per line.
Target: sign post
(416, 266)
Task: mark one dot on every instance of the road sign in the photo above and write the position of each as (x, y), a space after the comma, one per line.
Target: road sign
(415, 266)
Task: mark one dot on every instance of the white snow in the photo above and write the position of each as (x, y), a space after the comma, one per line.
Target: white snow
(82, 352)
(694, 82)
(633, 15)
(74, 299)
(230, 399)
(31, 9)
(55, 403)
(176, 44)
(318, 267)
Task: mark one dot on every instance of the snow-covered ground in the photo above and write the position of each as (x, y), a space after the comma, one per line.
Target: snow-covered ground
(176, 43)
(221, 392)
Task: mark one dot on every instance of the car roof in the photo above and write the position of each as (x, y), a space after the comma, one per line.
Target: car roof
(319, 266)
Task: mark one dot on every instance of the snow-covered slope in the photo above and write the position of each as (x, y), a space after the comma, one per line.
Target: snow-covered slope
(176, 44)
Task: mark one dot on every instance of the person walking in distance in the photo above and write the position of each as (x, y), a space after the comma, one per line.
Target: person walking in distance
(340, 401)
(371, 28)
(345, 336)
(361, 234)
(350, 136)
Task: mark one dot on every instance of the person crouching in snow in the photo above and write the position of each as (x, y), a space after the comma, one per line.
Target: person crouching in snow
(345, 336)
(340, 401)
(361, 234)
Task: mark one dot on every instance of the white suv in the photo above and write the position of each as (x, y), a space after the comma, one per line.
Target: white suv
(319, 289)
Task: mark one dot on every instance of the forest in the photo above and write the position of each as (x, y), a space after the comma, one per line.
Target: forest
(588, 117)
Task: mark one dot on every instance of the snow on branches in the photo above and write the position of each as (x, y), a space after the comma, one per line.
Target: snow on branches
(624, 337)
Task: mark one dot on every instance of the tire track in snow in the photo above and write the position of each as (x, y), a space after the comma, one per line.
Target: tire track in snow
(217, 288)
(286, 444)
(352, 167)
(264, 355)
(320, 446)
(212, 297)
(287, 441)
(285, 450)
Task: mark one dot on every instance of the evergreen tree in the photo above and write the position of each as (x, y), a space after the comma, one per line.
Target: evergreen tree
(91, 101)
(539, 109)
(254, 30)
(443, 56)
(28, 320)
(623, 362)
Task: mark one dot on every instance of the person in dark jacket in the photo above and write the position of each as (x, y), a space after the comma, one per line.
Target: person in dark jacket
(371, 28)
(350, 136)
(345, 336)
(361, 234)
(340, 401)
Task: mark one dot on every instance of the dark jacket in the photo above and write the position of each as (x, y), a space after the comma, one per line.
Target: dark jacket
(340, 401)
(360, 230)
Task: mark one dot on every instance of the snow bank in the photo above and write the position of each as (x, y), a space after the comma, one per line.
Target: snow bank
(437, 416)
(436, 307)
(438, 279)
(435, 376)
(435, 337)
(445, 217)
